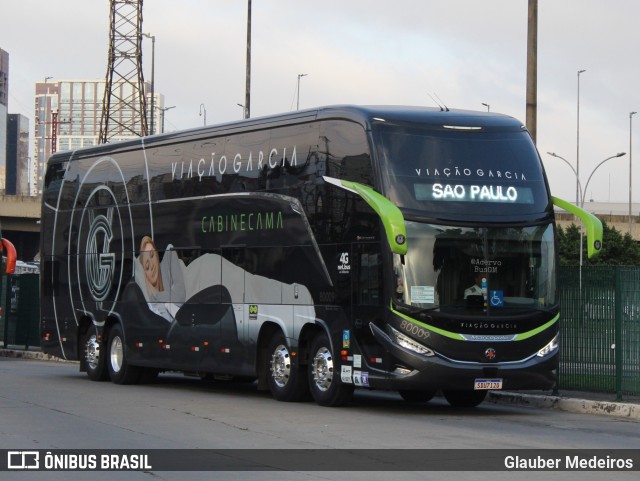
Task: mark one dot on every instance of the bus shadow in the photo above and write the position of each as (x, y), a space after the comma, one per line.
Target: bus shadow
(365, 400)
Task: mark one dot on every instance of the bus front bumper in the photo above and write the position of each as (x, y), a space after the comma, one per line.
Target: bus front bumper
(421, 372)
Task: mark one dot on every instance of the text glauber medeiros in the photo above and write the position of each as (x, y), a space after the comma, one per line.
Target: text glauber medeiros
(574, 462)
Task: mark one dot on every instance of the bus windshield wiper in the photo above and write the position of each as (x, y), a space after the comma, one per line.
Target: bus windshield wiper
(406, 309)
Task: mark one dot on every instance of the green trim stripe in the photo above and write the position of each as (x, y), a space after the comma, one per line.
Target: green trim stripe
(459, 337)
(437, 330)
(538, 330)
(391, 217)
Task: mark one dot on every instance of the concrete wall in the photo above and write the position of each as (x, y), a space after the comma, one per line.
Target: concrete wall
(619, 222)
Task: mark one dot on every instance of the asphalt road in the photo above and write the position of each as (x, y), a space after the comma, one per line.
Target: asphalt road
(50, 405)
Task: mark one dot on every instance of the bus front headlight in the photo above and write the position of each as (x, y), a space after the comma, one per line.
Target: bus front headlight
(408, 343)
(551, 347)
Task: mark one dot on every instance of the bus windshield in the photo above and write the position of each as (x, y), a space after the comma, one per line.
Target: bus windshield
(480, 268)
(461, 171)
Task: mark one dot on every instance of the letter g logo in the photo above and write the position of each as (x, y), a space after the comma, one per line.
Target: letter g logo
(100, 263)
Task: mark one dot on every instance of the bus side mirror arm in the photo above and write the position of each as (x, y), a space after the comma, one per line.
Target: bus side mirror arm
(591, 222)
(392, 219)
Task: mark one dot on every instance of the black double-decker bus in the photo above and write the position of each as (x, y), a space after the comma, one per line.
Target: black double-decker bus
(400, 248)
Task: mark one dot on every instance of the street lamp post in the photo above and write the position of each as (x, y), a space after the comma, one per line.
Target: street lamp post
(578, 139)
(247, 93)
(153, 93)
(298, 97)
(553, 154)
(631, 114)
(582, 191)
(487, 106)
(244, 110)
(619, 154)
(203, 109)
(163, 110)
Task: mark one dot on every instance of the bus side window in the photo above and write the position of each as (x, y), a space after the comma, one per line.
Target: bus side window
(53, 182)
(347, 151)
(291, 158)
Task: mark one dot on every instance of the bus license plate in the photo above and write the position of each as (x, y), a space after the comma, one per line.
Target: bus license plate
(485, 384)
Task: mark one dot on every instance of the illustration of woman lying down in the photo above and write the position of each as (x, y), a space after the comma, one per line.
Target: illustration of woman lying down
(163, 285)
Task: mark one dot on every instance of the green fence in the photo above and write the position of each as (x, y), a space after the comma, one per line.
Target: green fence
(20, 323)
(600, 330)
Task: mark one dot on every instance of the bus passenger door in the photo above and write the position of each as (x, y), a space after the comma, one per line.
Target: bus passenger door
(367, 300)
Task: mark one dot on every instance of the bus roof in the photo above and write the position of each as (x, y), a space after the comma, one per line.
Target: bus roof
(364, 115)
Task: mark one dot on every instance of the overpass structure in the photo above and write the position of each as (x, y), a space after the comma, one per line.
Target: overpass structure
(20, 218)
(20, 213)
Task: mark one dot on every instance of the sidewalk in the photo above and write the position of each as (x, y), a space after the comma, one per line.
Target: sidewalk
(570, 401)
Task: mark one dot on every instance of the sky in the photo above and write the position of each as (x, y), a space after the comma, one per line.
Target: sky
(372, 52)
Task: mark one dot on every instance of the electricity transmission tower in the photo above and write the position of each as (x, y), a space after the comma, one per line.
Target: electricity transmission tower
(124, 109)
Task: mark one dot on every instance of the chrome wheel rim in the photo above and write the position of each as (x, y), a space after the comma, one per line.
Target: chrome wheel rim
(92, 352)
(322, 369)
(116, 354)
(280, 366)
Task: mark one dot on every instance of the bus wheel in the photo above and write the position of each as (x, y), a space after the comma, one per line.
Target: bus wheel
(326, 386)
(464, 399)
(287, 382)
(417, 396)
(119, 369)
(95, 356)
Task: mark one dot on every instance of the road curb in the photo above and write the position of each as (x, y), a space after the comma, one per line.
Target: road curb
(574, 405)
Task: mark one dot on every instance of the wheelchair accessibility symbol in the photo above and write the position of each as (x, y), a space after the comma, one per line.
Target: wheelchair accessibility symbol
(496, 298)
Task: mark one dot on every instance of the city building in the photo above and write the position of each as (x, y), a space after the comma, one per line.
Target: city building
(4, 103)
(17, 160)
(68, 114)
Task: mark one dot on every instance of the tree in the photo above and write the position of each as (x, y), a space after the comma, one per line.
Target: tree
(617, 249)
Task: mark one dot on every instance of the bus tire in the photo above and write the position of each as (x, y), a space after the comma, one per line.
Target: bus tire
(287, 382)
(417, 396)
(325, 384)
(95, 355)
(120, 371)
(464, 399)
